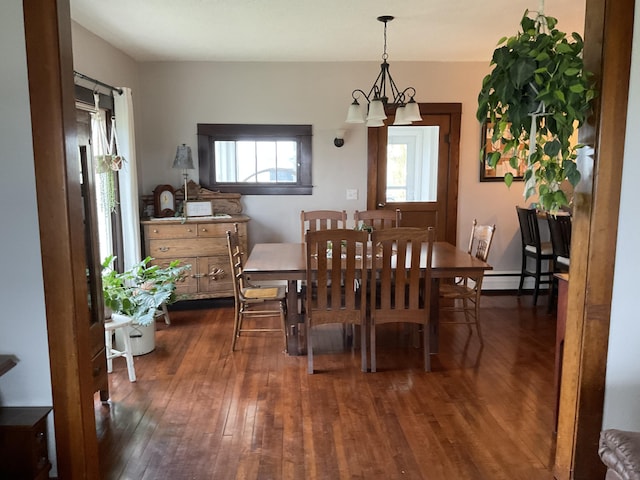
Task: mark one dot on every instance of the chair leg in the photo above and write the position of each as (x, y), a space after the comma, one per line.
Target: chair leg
(426, 348)
(536, 288)
(284, 327)
(477, 310)
(372, 347)
(363, 347)
(467, 313)
(236, 327)
(309, 350)
(522, 274)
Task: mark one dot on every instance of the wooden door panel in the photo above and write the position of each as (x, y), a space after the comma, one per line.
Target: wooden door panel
(441, 213)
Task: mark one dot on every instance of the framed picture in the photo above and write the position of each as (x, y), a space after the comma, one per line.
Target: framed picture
(491, 174)
(199, 209)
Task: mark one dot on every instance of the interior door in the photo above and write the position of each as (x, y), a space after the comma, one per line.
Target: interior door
(415, 168)
(94, 270)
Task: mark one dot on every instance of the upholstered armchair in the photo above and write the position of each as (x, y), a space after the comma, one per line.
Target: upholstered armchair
(620, 452)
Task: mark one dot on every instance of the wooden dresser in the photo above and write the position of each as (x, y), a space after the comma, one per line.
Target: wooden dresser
(200, 243)
(23, 443)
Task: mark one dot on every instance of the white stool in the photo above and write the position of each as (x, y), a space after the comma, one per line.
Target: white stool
(109, 328)
(163, 312)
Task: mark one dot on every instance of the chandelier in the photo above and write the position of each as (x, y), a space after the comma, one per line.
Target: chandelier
(407, 110)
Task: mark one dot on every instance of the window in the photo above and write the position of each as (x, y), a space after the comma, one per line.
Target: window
(255, 159)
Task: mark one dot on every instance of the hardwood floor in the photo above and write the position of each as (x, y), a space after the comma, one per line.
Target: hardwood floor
(199, 412)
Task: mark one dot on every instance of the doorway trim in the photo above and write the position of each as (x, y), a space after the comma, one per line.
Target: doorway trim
(379, 134)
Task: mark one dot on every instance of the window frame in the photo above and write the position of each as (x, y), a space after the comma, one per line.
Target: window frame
(208, 133)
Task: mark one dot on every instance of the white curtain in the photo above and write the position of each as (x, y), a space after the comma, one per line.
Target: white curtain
(128, 177)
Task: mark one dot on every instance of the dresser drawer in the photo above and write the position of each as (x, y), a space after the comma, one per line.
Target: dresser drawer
(215, 275)
(172, 231)
(188, 283)
(188, 247)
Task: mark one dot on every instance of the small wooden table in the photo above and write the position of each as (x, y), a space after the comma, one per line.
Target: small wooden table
(286, 261)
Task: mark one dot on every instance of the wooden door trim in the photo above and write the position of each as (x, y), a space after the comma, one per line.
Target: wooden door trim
(379, 134)
(50, 65)
(608, 42)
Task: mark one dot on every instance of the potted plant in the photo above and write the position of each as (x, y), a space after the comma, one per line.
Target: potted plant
(137, 293)
(537, 94)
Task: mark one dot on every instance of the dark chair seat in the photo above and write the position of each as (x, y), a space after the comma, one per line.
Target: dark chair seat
(560, 233)
(534, 249)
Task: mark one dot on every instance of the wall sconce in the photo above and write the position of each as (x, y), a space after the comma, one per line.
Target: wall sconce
(339, 140)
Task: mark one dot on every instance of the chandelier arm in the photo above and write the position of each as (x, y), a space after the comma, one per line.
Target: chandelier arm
(402, 96)
(353, 95)
(398, 97)
(377, 90)
(377, 96)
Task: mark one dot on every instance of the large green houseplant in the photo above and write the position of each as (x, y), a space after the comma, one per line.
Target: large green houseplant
(139, 291)
(537, 94)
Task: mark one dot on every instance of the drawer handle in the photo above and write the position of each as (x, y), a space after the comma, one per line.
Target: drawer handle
(217, 273)
(189, 230)
(164, 249)
(155, 230)
(198, 275)
(204, 229)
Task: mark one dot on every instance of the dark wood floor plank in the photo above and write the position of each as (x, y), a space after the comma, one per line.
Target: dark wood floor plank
(199, 411)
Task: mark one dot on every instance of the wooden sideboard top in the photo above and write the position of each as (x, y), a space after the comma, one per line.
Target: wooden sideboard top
(7, 362)
(181, 220)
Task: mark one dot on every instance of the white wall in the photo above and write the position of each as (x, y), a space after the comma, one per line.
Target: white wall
(622, 392)
(171, 98)
(23, 330)
(178, 96)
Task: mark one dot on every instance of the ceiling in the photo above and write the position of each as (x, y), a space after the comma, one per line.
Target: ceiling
(312, 30)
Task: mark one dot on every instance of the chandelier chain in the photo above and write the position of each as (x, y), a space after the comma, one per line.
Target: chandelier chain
(384, 52)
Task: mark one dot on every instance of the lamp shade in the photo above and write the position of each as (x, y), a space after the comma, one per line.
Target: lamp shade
(376, 110)
(183, 159)
(412, 111)
(401, 116)
(375, 122)
(355, 113)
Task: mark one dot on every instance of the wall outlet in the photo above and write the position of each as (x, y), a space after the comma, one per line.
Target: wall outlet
(352, 193)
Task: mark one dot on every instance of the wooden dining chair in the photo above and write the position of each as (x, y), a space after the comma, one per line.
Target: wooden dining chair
(321, 220)
(376, 219)
(253, 301)
(402, 290)
(336, 284)
(533, 248)
(463, 295)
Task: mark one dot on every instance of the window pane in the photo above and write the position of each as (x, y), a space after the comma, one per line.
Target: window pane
(225, 154)
(256, 159)
(412, 164)
(248, 161)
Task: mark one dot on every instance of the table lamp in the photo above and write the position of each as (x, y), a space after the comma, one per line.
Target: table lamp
(184, 161)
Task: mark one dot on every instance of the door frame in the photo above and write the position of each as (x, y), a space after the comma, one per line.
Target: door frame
(606, 31)
(376, 135)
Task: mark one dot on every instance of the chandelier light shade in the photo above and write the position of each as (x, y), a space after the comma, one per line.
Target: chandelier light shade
(407, 109)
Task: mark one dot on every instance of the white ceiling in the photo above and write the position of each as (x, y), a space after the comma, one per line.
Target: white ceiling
(312, 30)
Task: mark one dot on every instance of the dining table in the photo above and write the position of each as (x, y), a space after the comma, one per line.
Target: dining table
(287, 261)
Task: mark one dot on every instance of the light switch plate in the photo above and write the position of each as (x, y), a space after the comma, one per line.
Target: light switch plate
(352, 193)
